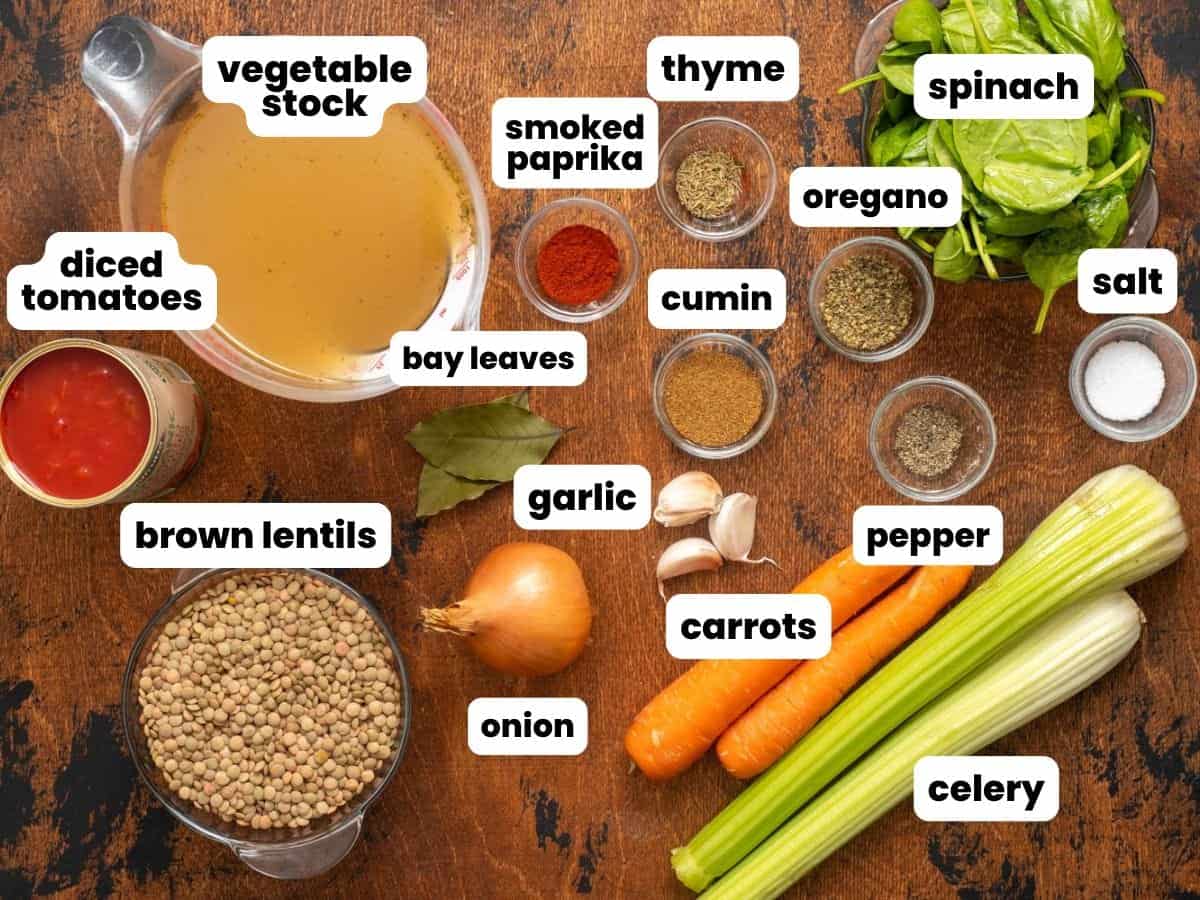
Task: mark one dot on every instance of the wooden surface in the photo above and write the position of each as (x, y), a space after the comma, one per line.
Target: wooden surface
(73, 817)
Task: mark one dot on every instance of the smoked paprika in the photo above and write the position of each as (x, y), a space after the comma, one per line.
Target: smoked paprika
(578, 265)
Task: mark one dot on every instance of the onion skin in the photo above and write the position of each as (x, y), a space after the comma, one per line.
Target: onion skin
(525, 611)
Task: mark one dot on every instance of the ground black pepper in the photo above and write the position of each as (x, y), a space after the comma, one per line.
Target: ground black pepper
(928, 440)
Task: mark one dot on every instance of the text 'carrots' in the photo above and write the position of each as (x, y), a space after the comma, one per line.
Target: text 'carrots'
(780, 718)
(678, 726)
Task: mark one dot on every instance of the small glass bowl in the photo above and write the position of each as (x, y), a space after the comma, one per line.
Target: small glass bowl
(758, 177)
(1179, 367)
(974, 457)
(547, 222)
(725, 343)
(922, 286)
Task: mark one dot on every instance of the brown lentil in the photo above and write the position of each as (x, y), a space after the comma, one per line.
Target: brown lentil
(713, 398)
(867, 301)
(252, 714)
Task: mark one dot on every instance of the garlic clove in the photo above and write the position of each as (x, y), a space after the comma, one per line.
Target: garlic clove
(732, 528)
(687, 499)
(683, 557)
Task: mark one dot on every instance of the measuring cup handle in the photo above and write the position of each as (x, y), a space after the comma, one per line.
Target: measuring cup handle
(128, 64)
(306, 860)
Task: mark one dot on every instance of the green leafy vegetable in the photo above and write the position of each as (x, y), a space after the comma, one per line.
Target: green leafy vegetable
(1036, 193)
(951, 261)
(919, 21)
(1090, 27)
(1051, 261)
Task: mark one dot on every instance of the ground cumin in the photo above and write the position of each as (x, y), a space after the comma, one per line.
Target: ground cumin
(713, 398)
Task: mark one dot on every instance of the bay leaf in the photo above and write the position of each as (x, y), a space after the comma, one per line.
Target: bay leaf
(487, 442)
(438, 490)
(520, 398)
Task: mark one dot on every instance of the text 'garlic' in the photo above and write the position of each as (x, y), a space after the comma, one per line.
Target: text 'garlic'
(683, 557)
(687, 499)
(732, 528)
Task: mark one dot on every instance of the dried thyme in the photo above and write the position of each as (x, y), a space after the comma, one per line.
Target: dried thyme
(708, 183)
(867, 302)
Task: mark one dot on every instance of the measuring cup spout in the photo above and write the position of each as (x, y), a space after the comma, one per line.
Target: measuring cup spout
(128, 64)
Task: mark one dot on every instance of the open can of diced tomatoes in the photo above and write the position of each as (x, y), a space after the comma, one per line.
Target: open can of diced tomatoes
(84, 423)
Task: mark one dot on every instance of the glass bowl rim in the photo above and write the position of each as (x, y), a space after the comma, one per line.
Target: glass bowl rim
(528, 283)
(760, 213)
(973, 399)
(762, 367)
(1087, 349)
(177, 806)
(892, 351)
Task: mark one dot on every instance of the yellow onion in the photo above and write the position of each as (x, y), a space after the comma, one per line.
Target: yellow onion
(525, 610)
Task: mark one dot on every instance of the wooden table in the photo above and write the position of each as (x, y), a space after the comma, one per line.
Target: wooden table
(73, 816)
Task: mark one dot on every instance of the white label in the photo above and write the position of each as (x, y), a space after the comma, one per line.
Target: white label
(527, 726)
(985, 788)
(1003, 86)
(748, 626)
(112, 281)
(574, 142)
(488, 358)
(581, 498)
(875, 197)
(216, 535)
(727, 68)
(314, 86)
(928, 535)
(717, 299)
(1128, 281)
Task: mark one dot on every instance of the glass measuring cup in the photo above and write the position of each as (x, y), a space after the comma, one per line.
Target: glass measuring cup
(147, 81)
(281, 852)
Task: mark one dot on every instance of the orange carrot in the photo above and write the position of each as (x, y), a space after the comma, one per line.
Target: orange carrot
(780, 718)
(681, 723)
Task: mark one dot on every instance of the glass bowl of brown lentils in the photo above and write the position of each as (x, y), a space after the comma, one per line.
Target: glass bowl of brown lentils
(267, 710)
(871, 299)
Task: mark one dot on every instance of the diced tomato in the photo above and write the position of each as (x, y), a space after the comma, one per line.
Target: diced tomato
(76, 423)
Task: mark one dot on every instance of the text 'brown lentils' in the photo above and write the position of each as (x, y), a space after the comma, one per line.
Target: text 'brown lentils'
(270, 700)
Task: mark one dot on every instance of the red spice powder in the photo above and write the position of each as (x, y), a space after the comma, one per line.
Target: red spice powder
(578, 265)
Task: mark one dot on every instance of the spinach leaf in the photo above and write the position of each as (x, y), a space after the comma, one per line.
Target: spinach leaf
(1052, 260)
(1010, 248)
(896, 63)
(1100, 137)
(1032, 187)
(1047, 142)
(1106, 213)
(1135, 138)
(919, 20)
(951, 261)
(889, 146)
(1024, 224)
(1090, 27)
(999, 22)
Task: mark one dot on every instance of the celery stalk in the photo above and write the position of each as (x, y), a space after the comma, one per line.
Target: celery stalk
(1035, 672)
(1120, 526)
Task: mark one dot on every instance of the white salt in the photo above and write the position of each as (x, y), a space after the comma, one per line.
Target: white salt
(1124, 381)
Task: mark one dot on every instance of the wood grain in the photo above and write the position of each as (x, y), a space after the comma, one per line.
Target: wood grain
(73, 817)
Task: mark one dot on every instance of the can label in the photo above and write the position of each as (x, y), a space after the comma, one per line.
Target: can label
(180, 426)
